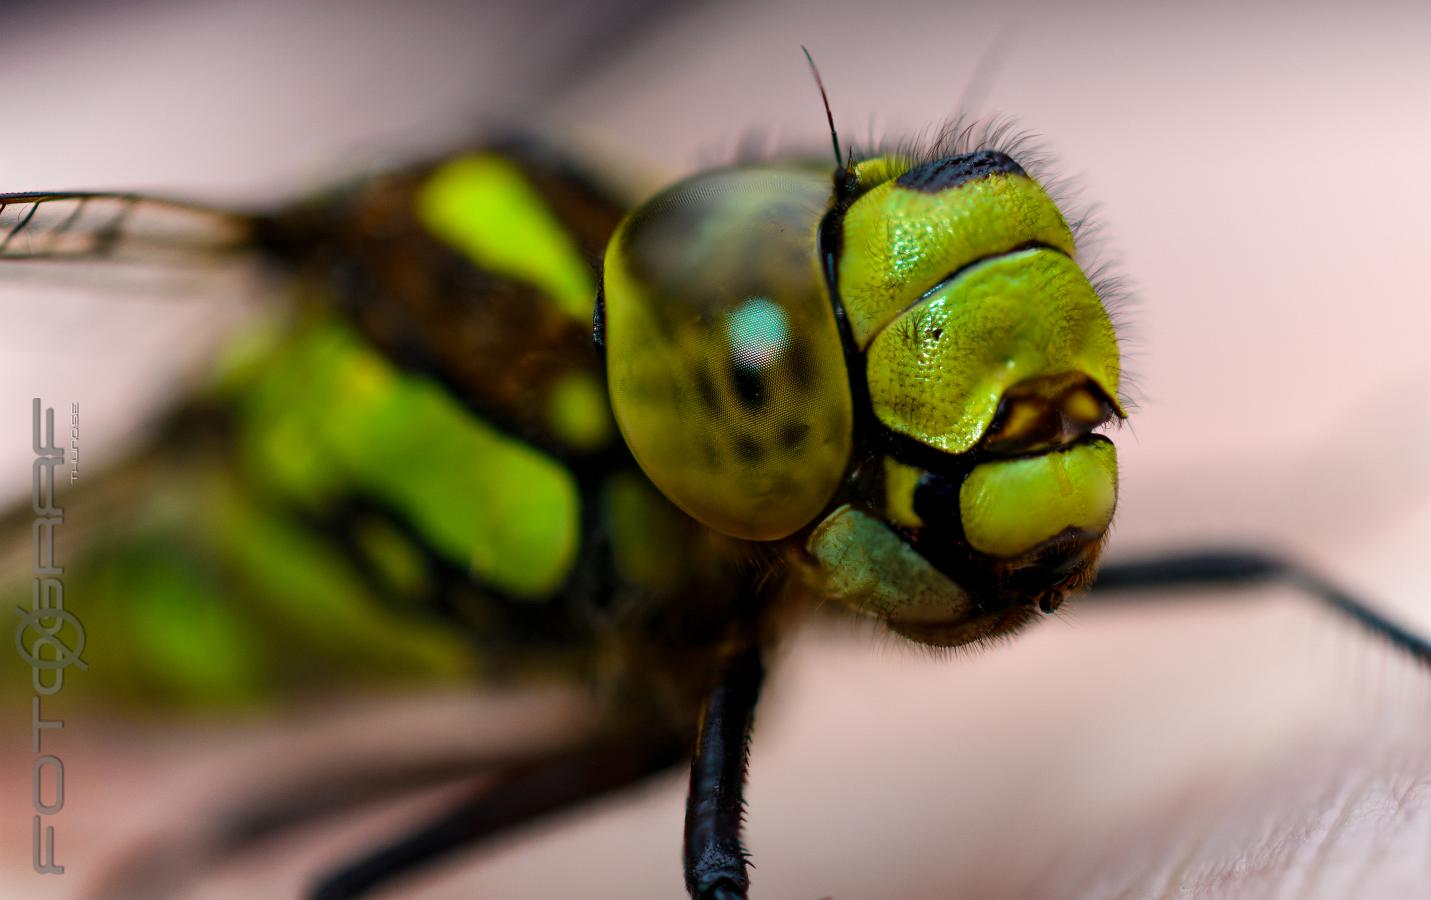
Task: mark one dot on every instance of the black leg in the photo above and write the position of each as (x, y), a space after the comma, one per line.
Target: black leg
(715, 860)
(1242, 567)
(520, 795)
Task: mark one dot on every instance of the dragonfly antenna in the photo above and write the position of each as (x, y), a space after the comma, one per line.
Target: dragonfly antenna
(991, 60)
(829, 116)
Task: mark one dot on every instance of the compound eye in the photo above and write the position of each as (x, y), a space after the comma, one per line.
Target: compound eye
(725, 366)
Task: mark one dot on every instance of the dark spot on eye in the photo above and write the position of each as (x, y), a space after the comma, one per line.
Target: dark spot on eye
(748, 449)
(709, 454)
(705, 387)
(792, 435)
(936, 333)
(749, 385)
(800, 363)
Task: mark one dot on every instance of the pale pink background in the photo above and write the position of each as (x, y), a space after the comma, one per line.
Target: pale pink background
(1263, 176)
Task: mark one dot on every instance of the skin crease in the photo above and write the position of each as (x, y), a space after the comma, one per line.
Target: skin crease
(1245, 747)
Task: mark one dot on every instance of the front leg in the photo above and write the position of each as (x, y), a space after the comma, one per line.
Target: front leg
(714, 858)
(1239, 567)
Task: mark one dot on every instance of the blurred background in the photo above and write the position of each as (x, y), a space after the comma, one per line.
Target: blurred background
(1261, 175)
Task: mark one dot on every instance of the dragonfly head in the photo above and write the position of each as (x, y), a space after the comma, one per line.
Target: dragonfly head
(901, 376)
(984, 360)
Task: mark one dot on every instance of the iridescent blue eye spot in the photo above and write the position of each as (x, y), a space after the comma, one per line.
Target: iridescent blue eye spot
(758, 331)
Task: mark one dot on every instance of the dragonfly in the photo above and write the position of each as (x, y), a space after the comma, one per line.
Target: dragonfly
(452, 313)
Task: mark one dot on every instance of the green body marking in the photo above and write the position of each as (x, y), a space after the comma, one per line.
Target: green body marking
(331, 415)
(482, 205)
(938, 371)
(1008, 507)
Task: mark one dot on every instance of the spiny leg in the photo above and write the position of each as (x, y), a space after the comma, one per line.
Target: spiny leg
(1234, 568)
(520, 794)
(715, 861)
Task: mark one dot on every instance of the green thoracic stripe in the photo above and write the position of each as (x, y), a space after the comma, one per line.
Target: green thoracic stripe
(329, 416)
(578, 413)
(482, 205)
(646, 533)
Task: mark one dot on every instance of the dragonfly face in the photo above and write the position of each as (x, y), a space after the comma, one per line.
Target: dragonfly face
(901, 366)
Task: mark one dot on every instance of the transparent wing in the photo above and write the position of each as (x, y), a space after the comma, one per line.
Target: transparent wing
(89, 225)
